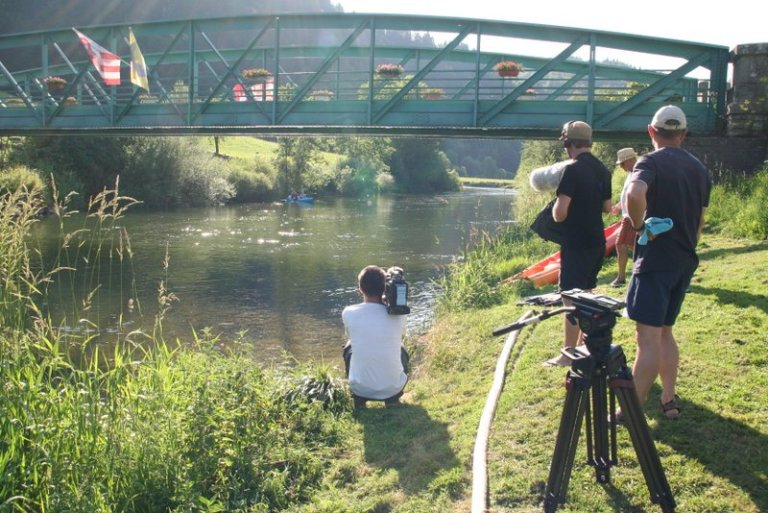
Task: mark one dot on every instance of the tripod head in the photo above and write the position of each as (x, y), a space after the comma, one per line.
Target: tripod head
(595, 314)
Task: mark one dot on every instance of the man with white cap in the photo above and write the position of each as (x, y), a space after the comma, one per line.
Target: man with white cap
(626, 158)
(666, 183)
(583, 195)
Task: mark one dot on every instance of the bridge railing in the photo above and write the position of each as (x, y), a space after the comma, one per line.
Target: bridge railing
(197, 82)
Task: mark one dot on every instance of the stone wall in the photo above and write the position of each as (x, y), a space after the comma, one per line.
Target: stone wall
(748, 102)
(745, 154)
(745, 146)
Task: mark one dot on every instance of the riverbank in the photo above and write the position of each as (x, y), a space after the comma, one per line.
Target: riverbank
(417, 459)
(156, 427)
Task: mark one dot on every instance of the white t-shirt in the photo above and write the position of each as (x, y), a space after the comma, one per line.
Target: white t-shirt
(623, 197)
(375, 371)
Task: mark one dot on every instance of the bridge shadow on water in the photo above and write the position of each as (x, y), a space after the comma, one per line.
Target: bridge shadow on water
(409, 441)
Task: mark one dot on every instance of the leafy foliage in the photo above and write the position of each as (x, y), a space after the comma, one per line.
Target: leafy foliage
(418, 166)
(20, 177)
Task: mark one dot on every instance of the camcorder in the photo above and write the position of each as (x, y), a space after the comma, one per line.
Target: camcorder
(396, 292)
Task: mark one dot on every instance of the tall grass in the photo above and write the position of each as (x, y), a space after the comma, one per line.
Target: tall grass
(738, 206)
(144, 426)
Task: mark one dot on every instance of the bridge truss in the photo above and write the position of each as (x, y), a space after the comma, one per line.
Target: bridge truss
(324, 75)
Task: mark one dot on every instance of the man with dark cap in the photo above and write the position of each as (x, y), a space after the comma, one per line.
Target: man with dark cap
(668, 183)
(583, 194)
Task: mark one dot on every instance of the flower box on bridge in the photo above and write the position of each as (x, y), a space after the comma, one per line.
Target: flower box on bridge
(508, 68)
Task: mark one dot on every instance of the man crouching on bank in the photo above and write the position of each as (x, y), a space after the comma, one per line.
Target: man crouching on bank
(375, 360)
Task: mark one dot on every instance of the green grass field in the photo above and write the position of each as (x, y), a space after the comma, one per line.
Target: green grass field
(247, 147)
(715, 457)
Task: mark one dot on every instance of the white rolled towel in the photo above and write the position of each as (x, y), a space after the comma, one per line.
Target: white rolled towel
(547, 178)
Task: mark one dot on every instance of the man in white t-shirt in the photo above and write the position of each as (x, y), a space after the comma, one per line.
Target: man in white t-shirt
(625, 240)
(375, 360)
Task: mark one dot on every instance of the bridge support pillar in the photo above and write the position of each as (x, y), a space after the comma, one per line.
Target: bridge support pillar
(748, 107)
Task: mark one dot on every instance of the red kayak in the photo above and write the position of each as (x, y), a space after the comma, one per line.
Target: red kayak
(547, 271)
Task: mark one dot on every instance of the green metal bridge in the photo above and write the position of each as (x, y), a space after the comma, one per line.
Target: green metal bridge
(355, 74)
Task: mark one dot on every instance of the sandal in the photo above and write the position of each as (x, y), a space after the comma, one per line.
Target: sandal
(672, 408)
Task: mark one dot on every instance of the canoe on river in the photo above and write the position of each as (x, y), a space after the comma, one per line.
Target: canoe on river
(547, 271)
(302, 198)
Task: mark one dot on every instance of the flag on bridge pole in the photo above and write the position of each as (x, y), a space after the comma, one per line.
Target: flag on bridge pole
(138, 66)
(105, 62)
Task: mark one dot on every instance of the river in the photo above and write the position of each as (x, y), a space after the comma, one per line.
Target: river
(274, 275)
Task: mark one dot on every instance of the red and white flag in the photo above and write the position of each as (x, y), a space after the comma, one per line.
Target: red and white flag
(105, 62)
(239, 93)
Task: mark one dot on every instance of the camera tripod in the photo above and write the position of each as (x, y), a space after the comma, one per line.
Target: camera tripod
(600, 368)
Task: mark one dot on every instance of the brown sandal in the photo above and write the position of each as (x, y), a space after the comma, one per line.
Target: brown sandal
(672, 408)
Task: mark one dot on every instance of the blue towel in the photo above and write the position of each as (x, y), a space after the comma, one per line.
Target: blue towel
(654, 226)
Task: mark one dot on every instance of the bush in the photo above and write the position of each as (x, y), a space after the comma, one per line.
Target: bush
(253, 185)
(19, 178)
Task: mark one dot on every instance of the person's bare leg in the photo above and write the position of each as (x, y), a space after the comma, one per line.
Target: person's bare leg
(646, 366)
(622, 255)
(571, 331)
(571, 337)
(669, 361)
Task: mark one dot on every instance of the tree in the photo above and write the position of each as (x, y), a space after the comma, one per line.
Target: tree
(419, 166)
(295, 157)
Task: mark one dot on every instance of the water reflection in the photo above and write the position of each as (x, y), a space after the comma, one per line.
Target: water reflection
(280, 273)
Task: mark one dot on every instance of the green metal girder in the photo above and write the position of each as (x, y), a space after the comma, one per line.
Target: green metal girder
(475, 100)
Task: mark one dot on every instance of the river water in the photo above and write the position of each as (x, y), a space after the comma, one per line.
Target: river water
(276, 275)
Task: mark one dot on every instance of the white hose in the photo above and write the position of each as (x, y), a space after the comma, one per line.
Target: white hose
(479, 458)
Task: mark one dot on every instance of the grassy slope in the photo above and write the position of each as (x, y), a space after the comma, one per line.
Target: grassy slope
(418, 458)
(246, 147)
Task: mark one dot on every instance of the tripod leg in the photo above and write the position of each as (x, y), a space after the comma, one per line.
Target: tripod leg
(599, 455)
(643, 443)
(576, 399)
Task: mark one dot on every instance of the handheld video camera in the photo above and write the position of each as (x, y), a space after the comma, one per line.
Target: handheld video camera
(396, 292)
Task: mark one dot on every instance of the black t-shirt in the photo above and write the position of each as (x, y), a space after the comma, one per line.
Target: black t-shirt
(588, 183)
(678, 188)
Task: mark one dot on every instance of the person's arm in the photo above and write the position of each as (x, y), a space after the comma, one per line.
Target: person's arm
(560, 208)
(637, 203)
(607, 206)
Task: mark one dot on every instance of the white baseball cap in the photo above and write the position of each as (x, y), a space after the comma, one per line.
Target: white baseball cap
(669, 117)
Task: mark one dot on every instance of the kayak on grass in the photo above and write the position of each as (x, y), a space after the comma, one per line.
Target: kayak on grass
(547, 271)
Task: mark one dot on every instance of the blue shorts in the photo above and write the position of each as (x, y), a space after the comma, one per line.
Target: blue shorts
(579, 267)
(655, 298)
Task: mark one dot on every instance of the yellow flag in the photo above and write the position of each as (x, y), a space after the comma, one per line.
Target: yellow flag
(138, 66)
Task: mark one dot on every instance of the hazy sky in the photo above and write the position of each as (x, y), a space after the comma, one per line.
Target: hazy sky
(731, 23)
